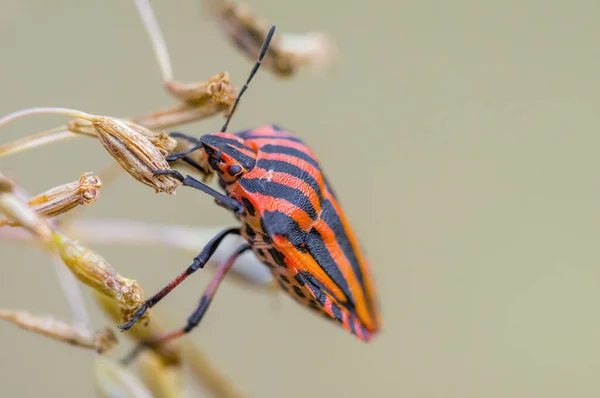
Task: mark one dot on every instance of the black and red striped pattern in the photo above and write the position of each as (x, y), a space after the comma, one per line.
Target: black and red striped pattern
(295, 224)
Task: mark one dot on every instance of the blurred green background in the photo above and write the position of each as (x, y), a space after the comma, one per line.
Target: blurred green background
(461, 136)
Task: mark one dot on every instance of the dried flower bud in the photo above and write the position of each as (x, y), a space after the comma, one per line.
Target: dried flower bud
(135, 153)
(201, 100)
(114, 380)
(163, 380)
(17, 210)
(61, 331)
(63, 198)
(91, 269)
(168, 352)
(311, 49)
(287, 52)
(160, 140)
(218, 89)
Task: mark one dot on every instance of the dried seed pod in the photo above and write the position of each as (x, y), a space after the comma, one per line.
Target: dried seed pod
(132, 150)
(218, 89)
(168, 352)
(313, 49)
(47, 326)
(114, 380)
(63, 198)
(135, 153)
(91, 269)
(160, 140)
(287, 51)
(200, 101)
(17, 210)
(163, 380)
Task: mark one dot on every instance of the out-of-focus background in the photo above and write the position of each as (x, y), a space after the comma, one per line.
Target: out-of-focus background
(462, 138)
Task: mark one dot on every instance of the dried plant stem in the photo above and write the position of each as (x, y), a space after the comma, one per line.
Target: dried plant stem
(156, 38)
(45, 111)
(114, 380)
(14, 207)
(204, 369)
(249, 272)
(178, 115)
(72, 292)
(207, 373)
(61, 331)
(164, 380)
(168, 352)
(69, 285)
(56, 134)
(36, 140)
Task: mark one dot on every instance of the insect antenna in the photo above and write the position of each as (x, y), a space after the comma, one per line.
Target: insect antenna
(261, 55)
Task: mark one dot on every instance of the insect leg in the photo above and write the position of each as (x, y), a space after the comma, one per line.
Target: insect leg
(182, 155)
(178, 155)
(197, 315)
(199, 262)
(176, 134)
(190, 181)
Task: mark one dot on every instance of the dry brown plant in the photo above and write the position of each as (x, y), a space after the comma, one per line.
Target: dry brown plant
(139, 147)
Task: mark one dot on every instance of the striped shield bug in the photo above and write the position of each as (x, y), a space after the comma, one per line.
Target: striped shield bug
(290, 218)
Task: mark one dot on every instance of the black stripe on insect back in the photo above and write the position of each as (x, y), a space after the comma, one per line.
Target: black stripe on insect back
(337, 312)
(246, 161)
(279, 191)
(234, 143)
(276, 223)
(317, 248)
(332, 219)
(280, 166)
(286, 150)
(218, 141)
(315, 286)
(249, 206)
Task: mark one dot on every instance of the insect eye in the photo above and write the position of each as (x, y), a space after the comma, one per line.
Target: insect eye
(234, 169)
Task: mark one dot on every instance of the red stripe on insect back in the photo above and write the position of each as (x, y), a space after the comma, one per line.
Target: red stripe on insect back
(271, 203)
(268, 130)
(335, 250)
(304, 261)
(309, 168)
(357, 302)
(267, 144)
(331, 255)
(309, 189)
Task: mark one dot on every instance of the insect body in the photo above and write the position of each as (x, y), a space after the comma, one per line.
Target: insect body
(290, 219)
(294, 223)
